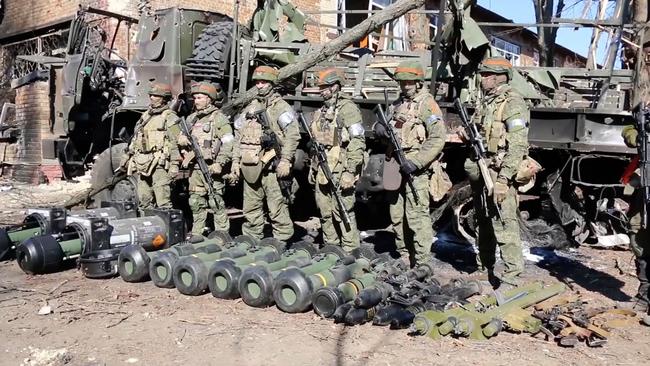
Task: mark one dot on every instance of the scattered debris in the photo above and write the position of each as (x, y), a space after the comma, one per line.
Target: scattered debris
(45, 310)
(47, 357)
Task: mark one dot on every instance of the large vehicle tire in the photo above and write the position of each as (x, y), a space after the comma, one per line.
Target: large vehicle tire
(102, 172)
(213, 48)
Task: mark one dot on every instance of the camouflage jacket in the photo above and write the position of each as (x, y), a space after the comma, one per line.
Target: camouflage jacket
(338, 126)
(282, 120)
(156, 133)
(213, 133)
(630, 135)
(419, 126)
(503, 117)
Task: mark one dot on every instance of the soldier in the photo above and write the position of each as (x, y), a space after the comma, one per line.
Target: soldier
(417, 123)
(638, 235)
(267, 137)
(503, 120)
(212, 131)
(152, 153)
(338, 127)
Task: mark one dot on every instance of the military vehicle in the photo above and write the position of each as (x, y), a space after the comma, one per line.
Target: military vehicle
(577, 114)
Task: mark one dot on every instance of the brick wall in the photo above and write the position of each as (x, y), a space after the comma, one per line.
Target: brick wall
(25, 157)
(21, 15)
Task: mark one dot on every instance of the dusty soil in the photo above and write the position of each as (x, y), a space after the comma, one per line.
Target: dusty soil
(111, 322)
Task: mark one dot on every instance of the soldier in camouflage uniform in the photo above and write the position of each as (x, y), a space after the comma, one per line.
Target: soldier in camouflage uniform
(338, 127)
(639, 237)
(265, 154)
(503, 120)
(417, 123)
(152, 154)
(212, 131)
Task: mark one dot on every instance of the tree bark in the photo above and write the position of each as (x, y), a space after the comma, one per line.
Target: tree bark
(337, 45)
(546, 35)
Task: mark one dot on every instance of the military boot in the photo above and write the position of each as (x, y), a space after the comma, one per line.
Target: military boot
(641, 298)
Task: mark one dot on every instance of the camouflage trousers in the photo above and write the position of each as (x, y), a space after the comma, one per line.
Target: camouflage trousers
(492, 232)
(334, 230)
(411, 221)
(201, 205)
(640, 245)
(154, 191)
(639, 237)
(266, 190)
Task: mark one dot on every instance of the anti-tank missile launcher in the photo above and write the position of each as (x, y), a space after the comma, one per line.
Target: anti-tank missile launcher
(294, 287)
(191, 273)
(326, 300)
(134, 260)
(161, 268)
(97, 242)
(46, 221)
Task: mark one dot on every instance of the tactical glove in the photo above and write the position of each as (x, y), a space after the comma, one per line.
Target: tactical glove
(215, 169)
(380, 130)
(283, 169)
(408, 167)
(500, 191)
(347, 181)
(183, 140)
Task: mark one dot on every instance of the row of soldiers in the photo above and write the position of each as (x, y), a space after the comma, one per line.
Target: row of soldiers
(259, 148)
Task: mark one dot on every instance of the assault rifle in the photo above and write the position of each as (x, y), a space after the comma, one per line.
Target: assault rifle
(270, 140)
(644, 160)
(479, 152)
(200, 161)
(398, 152)
(321, 155)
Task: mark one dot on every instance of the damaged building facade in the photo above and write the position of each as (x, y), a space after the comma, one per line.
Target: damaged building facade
(34, 34)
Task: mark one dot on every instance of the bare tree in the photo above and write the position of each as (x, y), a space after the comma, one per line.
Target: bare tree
(545, 11)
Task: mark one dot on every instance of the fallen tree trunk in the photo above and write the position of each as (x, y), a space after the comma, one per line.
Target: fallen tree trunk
(85, 196)
(330, 49)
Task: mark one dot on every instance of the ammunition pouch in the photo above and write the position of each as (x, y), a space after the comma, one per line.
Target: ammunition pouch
(497, 137)
(144, 163)
(333, 158)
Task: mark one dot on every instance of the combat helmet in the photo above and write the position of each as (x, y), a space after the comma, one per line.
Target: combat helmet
(266, 73)
(161, 90)
(409, 70)
(207, 88)
(330, 76)
(496, 65)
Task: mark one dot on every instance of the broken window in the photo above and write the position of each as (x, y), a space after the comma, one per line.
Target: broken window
(391, 36)
(510, 51)
(47, 45)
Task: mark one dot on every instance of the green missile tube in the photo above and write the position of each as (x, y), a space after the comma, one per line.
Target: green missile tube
(162, 266)
(435, 324)
(133, 261)
(327, 299)
(294, 287)
(223, 279)
(256, 281)
(191, 273)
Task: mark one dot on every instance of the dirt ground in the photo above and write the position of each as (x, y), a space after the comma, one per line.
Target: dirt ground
(65, 319)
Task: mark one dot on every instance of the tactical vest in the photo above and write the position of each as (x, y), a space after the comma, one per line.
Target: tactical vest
(203, 131)
(409, 126)
(493, 125)
(152, 134)
(330, 132)
(149, 145)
